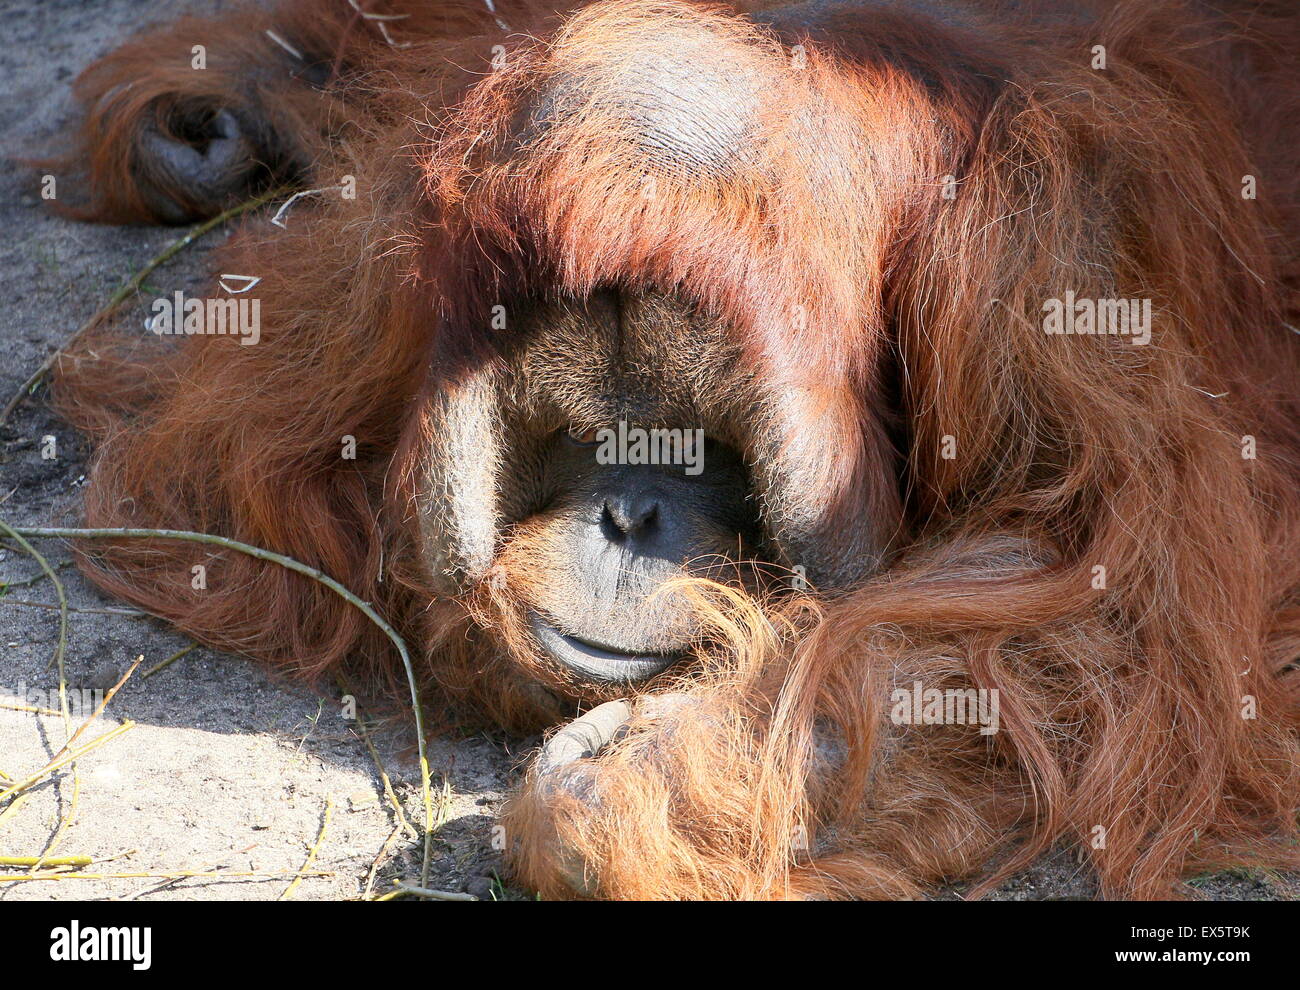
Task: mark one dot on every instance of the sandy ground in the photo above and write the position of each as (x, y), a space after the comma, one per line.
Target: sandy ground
(225, 769)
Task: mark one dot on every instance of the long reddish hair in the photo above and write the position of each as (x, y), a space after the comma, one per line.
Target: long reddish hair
(1122, 700)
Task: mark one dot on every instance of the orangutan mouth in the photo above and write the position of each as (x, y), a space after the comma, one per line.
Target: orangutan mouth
(595, 662)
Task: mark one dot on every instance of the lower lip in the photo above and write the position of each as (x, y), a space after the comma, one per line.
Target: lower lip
(592, 662)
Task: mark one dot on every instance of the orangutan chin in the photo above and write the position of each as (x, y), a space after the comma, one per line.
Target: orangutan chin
(980, 318)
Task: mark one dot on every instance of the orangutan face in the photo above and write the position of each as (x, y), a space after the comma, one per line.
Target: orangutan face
(606, 455)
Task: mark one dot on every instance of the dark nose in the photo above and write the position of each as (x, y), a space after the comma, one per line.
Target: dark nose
(630, 515)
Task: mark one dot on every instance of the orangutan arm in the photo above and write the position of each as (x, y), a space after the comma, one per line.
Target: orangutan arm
(185, 120)
(665, 798)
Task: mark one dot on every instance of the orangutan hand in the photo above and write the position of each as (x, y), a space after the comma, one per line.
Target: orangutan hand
(564, 790)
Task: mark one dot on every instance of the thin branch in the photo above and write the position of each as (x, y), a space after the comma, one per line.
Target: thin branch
(311, 853)
(129, 613)
(137, 280)
(168, 662)
(99, 710)
(433, 895)
(379, 765)
(60, 651)
(62, 606)
(379, 858)
(5, 586)
(59, 532)
(69, 757)
(178, 875)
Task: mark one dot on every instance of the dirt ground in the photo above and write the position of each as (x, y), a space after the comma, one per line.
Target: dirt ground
(225, 769)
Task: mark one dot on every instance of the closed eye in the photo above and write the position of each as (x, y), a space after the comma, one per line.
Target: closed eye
(582, 438)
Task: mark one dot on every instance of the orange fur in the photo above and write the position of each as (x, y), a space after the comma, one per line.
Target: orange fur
(1121, 705)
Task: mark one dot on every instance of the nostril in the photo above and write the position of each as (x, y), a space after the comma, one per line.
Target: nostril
(630, 516)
